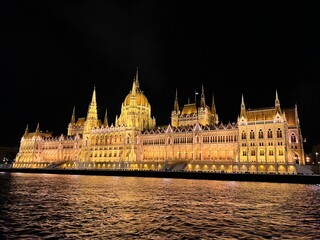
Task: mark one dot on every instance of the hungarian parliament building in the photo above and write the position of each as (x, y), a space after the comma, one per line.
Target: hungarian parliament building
(264, 140)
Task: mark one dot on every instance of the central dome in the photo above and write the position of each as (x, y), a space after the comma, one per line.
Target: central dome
(141, 99)
(136, 109)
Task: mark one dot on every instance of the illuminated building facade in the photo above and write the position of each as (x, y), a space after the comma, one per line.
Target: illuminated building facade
(262, 140)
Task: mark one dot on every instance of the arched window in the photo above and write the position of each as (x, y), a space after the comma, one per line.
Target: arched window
(243, 135)
(270, 152)
(251, 134)
(293, 138)
(279, 133)
(260, 133)
(269, 133)
(280, 152)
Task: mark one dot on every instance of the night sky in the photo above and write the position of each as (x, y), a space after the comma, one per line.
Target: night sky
(53, 53)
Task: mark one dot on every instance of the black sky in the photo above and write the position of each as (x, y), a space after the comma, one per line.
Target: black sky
(54, 52)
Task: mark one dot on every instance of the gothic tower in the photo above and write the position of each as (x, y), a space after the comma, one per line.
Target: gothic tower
(176, 111)
(92, 115)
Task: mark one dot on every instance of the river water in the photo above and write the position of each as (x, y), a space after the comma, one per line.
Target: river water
(49, 206)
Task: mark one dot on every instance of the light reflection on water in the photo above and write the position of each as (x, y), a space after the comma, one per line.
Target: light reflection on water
(39, 206)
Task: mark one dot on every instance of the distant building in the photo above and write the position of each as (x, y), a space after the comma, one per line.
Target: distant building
(314, 156)
(262, 140)
(8, 154)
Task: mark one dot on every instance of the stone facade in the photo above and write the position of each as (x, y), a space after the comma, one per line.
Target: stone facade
(262, 140)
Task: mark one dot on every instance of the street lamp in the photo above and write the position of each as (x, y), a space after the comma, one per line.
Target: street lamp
(308, 159)
(317, 157)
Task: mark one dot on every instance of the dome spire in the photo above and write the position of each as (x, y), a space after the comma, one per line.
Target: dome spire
(134, 88)
(137, 79)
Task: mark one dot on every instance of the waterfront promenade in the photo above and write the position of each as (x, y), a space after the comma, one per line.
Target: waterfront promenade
(235, 176)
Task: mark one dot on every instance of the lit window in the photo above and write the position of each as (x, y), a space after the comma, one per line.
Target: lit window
(260, 133)
(279, 133)
(269, 133)
(243, 135)
(280, 152)
(251, 134)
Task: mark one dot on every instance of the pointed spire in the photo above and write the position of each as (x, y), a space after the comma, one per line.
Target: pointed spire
(243, 108)
(92, 115)
(214, 111)
(137, 78)
(133, 90)
(106, 119)
(296, 113)
(26, 132)
(202, 91)
(203, 101)
(213, 105)
(38, 128)
(94, 100)
(242, 102)
(73, 116)
(176, 103)
(277, 103)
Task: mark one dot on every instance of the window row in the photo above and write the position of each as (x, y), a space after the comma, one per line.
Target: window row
(261, 152)
(261, 144)
(252, 134)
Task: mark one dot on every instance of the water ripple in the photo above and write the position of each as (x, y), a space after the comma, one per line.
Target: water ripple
(35, 206)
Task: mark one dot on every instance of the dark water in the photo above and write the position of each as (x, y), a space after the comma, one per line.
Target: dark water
(44, 206)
